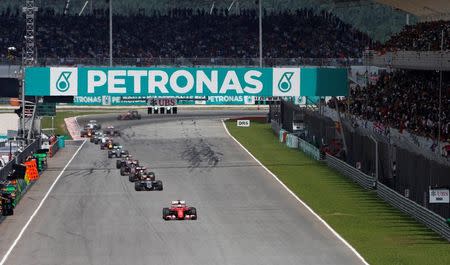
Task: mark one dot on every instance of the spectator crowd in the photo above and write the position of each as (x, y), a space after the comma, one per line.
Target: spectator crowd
(425, 36)
(187, 33)
(406, 100)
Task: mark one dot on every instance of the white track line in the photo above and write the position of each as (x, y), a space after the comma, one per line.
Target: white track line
(2, 262)
(298, 199)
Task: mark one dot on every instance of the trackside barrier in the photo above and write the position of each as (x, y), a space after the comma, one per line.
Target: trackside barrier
(309, 149)
(15, 189)
(53, 149)
(362, 179)
(418, 212)
(275, 127)
(291, 141)
(282, 136)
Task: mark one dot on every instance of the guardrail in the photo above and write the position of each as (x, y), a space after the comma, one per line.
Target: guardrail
(418, 212)
(217, 61)
(424, 60)
(356, 175)
(309, 149)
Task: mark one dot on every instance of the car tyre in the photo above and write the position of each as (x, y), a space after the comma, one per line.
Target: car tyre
(165, 213)
(193, 211)
(122, 171)
(118, 164)
(159, 185)
(137, 186)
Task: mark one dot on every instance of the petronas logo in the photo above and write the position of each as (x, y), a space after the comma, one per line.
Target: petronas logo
(62, 84)
(284, 85)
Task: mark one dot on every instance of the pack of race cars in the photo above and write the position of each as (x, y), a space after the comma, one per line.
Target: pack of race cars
(141, 176)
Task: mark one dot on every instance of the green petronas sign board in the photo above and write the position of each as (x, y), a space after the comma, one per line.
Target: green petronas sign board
(175, 82)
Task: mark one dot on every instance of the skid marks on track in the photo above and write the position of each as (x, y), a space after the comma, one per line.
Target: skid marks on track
(198, 152)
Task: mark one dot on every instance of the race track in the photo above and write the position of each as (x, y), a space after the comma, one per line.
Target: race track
(94, 215)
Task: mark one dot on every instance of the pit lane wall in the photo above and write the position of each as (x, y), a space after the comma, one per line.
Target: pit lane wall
(15, 184)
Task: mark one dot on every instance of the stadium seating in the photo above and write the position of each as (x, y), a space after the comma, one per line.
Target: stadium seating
(406, 100)
(425, 36)
(188, 33)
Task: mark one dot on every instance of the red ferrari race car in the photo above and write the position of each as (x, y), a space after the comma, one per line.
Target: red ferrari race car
(179, 211)
(130, 115)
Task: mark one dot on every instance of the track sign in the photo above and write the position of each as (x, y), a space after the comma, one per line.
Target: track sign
(243, 123)
(439, 196)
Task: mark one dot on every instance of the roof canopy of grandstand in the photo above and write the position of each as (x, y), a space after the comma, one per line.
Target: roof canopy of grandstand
(426, 10)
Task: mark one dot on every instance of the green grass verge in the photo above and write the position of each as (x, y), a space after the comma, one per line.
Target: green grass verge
(379, 232)
(60, 125)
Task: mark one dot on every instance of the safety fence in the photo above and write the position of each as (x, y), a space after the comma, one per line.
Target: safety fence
(421, 214)
(293, 141)
(428, 218)
(356, 175)
(423, 60)
(191, 62)
(309, 149)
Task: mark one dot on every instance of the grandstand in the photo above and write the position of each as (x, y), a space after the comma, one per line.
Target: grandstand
(215, 34)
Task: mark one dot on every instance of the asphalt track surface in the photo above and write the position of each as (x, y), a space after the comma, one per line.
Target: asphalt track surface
(94, 216)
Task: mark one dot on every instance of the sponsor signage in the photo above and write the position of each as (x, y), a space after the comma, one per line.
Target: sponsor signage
(162, 82)
(439, 196)
(243, 123)
(162, 102)
(220, 100)
(145, 101)
(184, 82)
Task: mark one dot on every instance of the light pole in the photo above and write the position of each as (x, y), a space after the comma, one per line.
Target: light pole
(110, 35)
(11, 56)
(376, 157)
(440, 94)
(260, 34)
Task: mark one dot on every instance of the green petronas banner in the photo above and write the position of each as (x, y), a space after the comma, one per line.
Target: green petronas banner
(174, 82)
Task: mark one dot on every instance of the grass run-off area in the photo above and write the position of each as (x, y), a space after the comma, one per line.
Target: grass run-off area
(379, 232)
(60, 125)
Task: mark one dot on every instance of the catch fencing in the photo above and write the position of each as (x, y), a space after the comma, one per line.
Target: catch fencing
(425, 216)
(356, 175)
(309, 149)
(421, 214)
